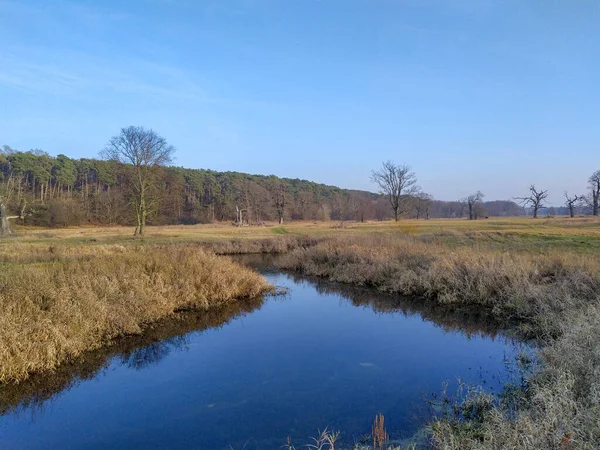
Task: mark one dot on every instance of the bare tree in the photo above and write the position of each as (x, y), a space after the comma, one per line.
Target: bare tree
(5, 195)
(4, 224)
(422, 203)
(278, 194)
(145, 151)
(594, 199)
(535, 199)
(571, 202)
(397, 183)
(472, 201)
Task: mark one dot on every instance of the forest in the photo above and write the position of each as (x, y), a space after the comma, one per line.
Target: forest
(48, 191)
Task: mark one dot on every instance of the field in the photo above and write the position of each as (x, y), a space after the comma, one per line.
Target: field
(518, 234)
(539, 278)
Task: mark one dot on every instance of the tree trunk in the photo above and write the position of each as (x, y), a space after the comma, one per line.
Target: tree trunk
(4, 225)
(281, 221)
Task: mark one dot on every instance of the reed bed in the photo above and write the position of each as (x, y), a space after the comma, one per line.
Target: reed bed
(60, 302)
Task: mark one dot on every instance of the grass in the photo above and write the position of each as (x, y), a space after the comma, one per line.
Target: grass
(535, 292)
(515, 234)
(61, 302)
(64, 292)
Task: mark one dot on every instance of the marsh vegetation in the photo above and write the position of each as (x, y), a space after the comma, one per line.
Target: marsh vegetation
(56, 303)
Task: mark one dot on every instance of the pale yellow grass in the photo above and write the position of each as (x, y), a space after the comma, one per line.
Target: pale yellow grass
(53, 309)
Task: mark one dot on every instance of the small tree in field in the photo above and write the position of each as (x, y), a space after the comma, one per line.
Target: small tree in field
(571, 202)
(397, 183)
(535, 199)
(472, 202)
(144, 151)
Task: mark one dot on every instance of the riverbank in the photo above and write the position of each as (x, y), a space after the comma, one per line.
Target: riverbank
(58, 302)
(552, 297)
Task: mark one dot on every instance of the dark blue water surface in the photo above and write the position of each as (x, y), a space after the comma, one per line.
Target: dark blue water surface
(320, 356)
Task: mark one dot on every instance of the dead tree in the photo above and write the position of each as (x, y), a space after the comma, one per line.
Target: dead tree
(472, 201)
(4, 223)
(240, 214)
(535, 199)
(398, 184)
(571, 202)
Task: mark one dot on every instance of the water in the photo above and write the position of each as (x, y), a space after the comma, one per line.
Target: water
(249, 376)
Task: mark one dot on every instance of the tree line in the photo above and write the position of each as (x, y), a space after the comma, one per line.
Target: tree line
(398, 185)
(132, 184)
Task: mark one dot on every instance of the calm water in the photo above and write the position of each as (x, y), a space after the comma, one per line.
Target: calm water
(320, 356)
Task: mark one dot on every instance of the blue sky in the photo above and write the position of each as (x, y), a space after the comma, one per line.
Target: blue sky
(473, 94)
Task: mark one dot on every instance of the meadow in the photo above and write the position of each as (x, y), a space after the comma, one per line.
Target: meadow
(65, 291)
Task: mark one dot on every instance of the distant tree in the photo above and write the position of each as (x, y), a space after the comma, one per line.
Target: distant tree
(145, 151)
(471, 203)
(535, 199)
(571, 202)
(4, 224)
(593, 200)
(279, 197)
(397, 183)
(422, 203)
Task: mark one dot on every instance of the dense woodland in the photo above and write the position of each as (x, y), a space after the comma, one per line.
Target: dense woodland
(60, 191)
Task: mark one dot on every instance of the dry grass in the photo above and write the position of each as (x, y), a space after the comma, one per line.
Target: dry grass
(53, 307)
(559, 409)
(514, 232)
(531, 290)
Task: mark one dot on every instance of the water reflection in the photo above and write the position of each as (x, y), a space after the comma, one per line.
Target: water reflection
(135, 352)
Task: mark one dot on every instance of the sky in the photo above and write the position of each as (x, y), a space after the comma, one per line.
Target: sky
(489, 95)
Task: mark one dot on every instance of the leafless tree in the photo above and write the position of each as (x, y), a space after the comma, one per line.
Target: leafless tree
(422, 203)
(5, 195)
(594, 198)
(279, 196)
(4, 224)
(145, 151)
(535, 199)
(397, 183)
(571, 202)
(472, 201)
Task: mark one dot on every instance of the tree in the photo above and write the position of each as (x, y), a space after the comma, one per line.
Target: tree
(472, 201)
(397, 183)
(145, 151)
(535, 199)
(571, 202)
(4, 225)
(422, 203)
(278, 194)
(594, 199)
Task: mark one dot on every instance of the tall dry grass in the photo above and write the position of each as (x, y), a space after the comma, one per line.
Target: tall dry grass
(54, 307)
(535, 291)
(558, 409)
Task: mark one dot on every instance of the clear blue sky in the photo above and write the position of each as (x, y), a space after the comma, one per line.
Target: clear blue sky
(474, 94)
